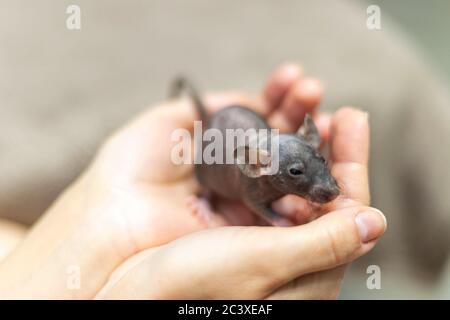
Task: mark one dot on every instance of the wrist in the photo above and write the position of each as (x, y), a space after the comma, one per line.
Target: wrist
(63, 245)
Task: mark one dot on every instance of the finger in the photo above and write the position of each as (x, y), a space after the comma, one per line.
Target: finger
(303, 97)
(279, 83)
(350, 136)
(322, 121)
(210, 264)
(324, 285)
(328, 242)
(349, 153)
(296, 209)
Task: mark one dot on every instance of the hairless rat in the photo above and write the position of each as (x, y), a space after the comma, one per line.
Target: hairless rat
(302, 170)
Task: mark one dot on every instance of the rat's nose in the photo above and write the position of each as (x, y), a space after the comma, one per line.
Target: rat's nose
(324, 194)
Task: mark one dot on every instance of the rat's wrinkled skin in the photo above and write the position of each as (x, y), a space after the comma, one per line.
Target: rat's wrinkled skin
(302, 170)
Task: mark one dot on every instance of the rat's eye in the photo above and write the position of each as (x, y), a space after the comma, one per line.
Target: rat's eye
(296, 170)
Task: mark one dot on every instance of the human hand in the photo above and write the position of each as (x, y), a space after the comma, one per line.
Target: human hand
(133, 198)
(11, 233)
(306, 261)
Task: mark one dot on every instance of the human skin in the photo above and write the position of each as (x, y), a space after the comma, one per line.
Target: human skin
(11, 233)
(125, 223)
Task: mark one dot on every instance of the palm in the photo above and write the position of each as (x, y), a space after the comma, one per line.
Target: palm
(147, 180)
(133, 197)
(140, 169)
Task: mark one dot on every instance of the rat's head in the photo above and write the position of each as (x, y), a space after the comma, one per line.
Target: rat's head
(302, 170)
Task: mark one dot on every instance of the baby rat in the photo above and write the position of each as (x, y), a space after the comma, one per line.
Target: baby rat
(302, 170)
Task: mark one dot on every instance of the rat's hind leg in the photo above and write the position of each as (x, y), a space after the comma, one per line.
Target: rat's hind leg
(201, 207)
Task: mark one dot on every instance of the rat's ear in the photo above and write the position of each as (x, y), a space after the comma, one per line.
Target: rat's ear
(253, 162)
(309, 132)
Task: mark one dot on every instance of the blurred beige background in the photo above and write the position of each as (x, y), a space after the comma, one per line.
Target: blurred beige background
(62, 92)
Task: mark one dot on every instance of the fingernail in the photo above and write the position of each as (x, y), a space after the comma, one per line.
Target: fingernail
(371, 225)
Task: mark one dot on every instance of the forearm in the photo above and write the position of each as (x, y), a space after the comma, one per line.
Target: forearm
(11, 234)
(65, 241)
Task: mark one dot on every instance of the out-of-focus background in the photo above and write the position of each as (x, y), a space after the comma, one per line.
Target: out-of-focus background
(63, 91)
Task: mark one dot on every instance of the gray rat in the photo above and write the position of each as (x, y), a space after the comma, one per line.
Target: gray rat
(302, 170)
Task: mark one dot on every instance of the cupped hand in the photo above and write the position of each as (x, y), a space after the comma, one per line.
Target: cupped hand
(307, 261)
(133, 198)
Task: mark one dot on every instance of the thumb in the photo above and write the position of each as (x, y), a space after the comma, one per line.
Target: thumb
(213, 263)
(334, 239)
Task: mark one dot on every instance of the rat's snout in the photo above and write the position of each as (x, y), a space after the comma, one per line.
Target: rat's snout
(324, 193)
